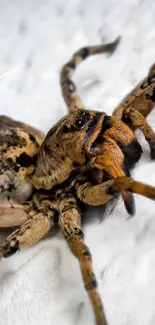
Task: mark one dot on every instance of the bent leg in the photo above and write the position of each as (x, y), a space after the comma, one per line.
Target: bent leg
(141, 98)
(69, 92)
(70, 225)
(136, 120)
(28, 234)
(94, 194)
(104, 192)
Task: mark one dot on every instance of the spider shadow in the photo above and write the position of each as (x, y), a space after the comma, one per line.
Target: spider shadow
(97, 214)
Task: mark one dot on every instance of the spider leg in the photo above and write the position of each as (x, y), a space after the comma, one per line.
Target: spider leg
(94, 194)
(12, 216)
(70, 225)
(136, 120)
(141, 98)
(29, 233)
(125, 183)
(69, 92)
(104, 192)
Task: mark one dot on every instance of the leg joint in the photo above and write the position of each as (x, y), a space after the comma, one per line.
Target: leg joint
(92, 285)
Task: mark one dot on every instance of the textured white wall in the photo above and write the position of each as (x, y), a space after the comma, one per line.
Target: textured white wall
(43, 285)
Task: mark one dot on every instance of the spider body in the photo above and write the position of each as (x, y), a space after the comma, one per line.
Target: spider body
(86, 157)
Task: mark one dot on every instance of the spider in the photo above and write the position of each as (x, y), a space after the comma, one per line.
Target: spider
(85, 159)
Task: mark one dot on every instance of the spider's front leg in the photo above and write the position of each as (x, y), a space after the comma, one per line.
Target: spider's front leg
(69, 91)
(30, 232)
(94, 195)
(70, 225)
(136, 120)
(136, 106)
(102, 193)
(141, 98)
(120, 183)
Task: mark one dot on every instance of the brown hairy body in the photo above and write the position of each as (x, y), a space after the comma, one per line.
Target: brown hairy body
(86, 157)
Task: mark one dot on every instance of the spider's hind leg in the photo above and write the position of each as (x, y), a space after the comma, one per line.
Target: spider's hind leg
(70, 225)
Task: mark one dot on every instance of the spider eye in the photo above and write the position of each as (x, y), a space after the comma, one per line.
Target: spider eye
(80, 123)
(82, 120)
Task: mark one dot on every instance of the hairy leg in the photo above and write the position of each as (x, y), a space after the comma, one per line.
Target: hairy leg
(70, 94)
(29, 233)
(142, 97)
(94, 194)
(12, 217)
(104, 192)
(70, 225)
(136, 120)
(127, 183)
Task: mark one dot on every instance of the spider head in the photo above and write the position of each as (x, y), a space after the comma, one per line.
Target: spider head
(78, 132)
(66, 147)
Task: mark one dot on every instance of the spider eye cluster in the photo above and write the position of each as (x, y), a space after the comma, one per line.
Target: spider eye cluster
(82, 120)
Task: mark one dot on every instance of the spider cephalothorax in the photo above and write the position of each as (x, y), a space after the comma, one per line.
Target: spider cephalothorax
(85, 158)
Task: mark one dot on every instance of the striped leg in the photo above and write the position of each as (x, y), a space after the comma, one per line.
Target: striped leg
(136, 120)
(70, 225)
(141, 98)
(104, 192)
(29, 233)
(70, 94)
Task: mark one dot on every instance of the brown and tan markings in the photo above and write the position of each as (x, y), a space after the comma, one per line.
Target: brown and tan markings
(86, 157)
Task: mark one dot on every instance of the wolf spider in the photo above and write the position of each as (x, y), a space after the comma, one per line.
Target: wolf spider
(85, 159)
